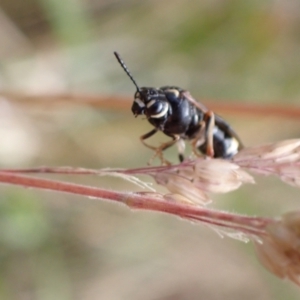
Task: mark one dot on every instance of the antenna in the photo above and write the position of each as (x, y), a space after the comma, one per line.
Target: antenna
(122, 63)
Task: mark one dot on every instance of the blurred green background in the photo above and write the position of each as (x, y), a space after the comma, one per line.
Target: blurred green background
(56, 246)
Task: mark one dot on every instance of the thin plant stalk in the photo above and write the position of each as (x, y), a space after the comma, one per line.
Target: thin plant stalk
(144, 201)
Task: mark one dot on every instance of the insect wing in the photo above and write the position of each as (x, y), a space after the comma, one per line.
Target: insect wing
(192, 100)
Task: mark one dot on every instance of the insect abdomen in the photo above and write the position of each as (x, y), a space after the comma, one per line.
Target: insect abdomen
(225, 146)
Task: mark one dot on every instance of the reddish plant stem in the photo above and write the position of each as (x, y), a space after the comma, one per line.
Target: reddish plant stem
(123, 103)
(142, 201)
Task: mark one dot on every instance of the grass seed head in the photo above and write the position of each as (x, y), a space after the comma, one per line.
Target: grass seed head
(195, 179)
(279, 251)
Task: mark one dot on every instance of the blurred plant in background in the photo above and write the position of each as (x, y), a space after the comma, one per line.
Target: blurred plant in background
(57, 246)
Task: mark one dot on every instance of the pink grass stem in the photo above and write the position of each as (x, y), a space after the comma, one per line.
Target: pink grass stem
(143, 201)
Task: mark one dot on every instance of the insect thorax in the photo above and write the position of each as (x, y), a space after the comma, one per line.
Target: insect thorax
(168, 110)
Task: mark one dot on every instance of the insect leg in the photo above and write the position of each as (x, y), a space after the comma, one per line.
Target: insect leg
(164, 146)
(146, 136)
(199, 139)
(181, 148)
(205, 135)
(209, 119)
(159, 150)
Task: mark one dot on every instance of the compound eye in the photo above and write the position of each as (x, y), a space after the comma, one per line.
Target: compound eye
(157, 109)
(154, 107)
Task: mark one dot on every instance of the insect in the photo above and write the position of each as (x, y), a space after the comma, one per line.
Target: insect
(177, 114)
